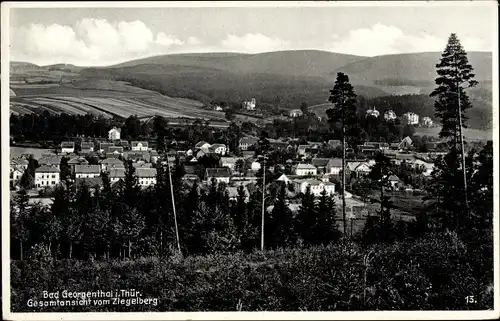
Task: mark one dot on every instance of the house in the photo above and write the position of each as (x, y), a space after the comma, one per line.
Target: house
(390, 115)
(117, 150)
(142, 165)
(302, 150)
(359, 168)
(316, 186)
(87, 171)
(229, 162)
(93, 183)
(283, 178)
(305, 169)
(86, 147)
(15, 175)
(47, 176)
(334, 166)
(114, 133)
(219, 149)
(247, 142)
(76, 161)
(50, 161)
(373, 112)
(202, 145)
(406, 143)
(426, 167)
(123, 143)
(295, 113)
(255, 166)
(221, 175)
(139, 146)
(146, 176)
(410, 118)
(427, 122)
(19, 163)
(115, 174)
(320, 164)
(276, 144)
(200, 153)
(394, 181)
(67, 147)
(104, 147)
(153, 156)
(137, 156)
(334, 143)
(233, 192)
(249, 105)
(110, 162)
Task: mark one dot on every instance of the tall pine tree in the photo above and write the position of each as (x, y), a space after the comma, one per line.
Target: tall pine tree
(455, 74)
(343, 116)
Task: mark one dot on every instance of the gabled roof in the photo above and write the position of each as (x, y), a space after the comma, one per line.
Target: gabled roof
(86, 145)
(87, 169)
(143, 165)
(116, 172)
(110, 161)
(305, 166)
(249, 140)
(47, 169)
(78, 161)
(303, 147)
(218, 172)
(354, 165)
(230, 160)
(334, 162)
(106, 144)
(145, 172)
(112, 149)
(393, 178)
(19, 161)
(143, 143)
(200, 143)
(52, 160)
(68, 145)
(320, 162)
(215, 146)
(115, 128)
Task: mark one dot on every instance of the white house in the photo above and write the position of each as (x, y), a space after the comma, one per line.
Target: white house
(87, 171)
(359, 168)
(410, 118)
(334, 166)
(305, 169)
(218, 149)
(67, 147)
(115, 174)
(19, 163)
(316, 186)
(283, 178)
(15, 175)
(296, 113)
(373, 112)
(229, 162)
(246, 142)
(255, 166)
(221, 175)
(249, 105)
(390, 115)
(46, 176)
(146, 176)
(76, 161)
(426, 167)
(114, 133)
(86, 147)
(203, 145)
(111, 162)
(427, 122)
(139, 146)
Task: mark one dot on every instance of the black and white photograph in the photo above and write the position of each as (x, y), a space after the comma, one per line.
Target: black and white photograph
(226, 160)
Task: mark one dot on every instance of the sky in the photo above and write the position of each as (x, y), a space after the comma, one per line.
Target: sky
(106, 36)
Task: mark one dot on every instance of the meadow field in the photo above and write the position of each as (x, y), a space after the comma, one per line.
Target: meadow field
(105, 98)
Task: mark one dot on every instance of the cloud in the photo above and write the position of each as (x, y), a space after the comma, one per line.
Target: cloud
(167, 40)
(90, 42)
(253, 42)
(381, 39)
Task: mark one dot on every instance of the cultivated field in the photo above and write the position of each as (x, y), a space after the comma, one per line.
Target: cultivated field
(103, 97)
(37, 152)
(469, 133)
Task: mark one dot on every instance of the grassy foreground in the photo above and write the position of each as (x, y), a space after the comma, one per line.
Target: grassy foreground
(437, 272)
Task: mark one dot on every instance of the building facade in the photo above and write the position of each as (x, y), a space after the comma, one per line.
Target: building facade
(47, 176)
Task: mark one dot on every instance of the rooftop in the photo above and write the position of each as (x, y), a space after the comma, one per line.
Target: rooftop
(145, 172)
(218, 172)
(111, 161)
(117, 172)
(47, 169)
(305, 166)
(90, 169)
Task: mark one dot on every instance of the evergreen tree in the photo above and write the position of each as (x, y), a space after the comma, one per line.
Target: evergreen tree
(326, 229)
(279, 228)
(455, 74)
(131, 190)
(159, 128)
(307, 218)
(343, 116)
(19, 217)
(27, 180)
(482, 190)
(131, 225)
(65, 169)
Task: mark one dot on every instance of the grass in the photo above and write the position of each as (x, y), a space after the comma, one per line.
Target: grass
(469, 133)
(16, 151)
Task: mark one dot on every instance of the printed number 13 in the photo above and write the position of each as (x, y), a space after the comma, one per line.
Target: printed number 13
(470, 299)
